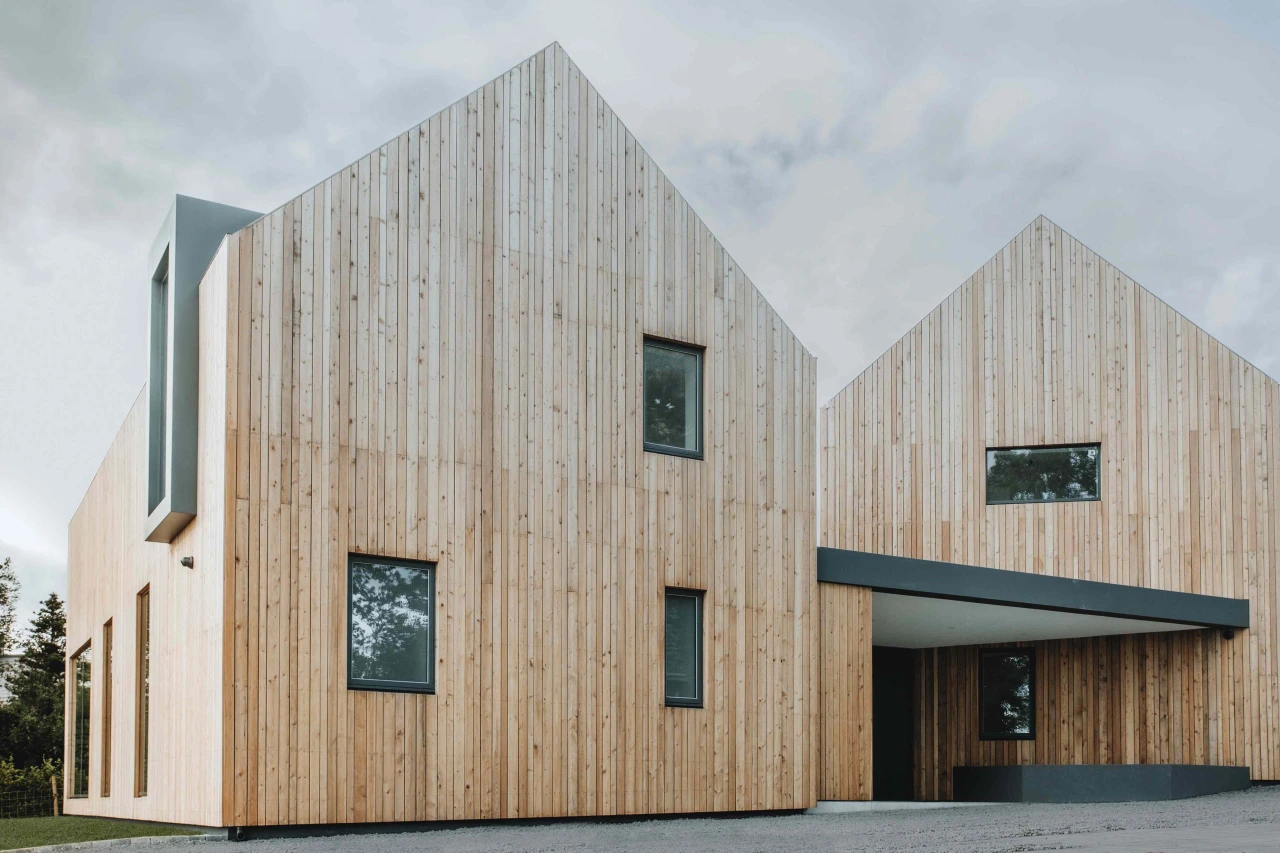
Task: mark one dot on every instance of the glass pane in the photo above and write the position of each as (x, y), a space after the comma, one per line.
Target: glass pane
(1006, 693)
(1035, 474)
(390, 623)
(142, 733)
(80, 744)
(671, 404)
(682, 647)
(105, 669)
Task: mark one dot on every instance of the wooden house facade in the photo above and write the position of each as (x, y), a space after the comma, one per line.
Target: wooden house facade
(478, 481)
(1048, 345)
(438, 355)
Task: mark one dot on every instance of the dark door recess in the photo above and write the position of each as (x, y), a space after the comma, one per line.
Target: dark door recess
(891, 674)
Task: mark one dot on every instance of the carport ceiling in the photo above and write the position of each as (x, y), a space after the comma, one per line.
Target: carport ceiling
(917, 622)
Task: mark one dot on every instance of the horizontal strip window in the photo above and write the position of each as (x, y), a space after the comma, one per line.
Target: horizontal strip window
(390, 625)
(1019, 475)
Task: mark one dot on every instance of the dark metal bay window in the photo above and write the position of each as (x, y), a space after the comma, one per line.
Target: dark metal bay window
(1007, 687)
(390, 628)
(683, 642)
(672, 398)
(1042, 474)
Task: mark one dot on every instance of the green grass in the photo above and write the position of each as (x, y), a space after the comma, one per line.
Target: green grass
(37, 831)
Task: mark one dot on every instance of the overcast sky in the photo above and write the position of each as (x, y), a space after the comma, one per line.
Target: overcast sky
(859, 160)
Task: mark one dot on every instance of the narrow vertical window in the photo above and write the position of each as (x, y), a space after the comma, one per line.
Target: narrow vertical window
(672, 398)
(683, 644)
(1007, 684)
(142, 722)
(390, 629)
(81, 673)
(158, 388)
(105, 759)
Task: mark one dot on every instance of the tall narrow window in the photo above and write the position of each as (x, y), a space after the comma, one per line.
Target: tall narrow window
(81, 670)
(158, 387)
(142, 722)
(390, 629)
(683, 643)
(1007, 684)
(105, 759)
(1042, 474)
(672, 398)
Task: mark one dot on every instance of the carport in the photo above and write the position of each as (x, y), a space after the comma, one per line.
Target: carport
(925, 604)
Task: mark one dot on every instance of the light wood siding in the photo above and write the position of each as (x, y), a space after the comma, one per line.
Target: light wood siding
(843, 738)
(1047, 343)
(436, 355)
(109, 563)
(1137, 699)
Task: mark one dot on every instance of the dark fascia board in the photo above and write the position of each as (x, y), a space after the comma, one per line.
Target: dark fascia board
(936, 579)
(192, 232)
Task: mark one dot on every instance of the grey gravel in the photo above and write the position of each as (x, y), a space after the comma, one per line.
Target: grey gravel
(1247, 821)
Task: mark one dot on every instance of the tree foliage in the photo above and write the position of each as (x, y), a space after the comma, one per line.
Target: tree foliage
(1042, 474)
(390, 622)
(8, 606)
(666, 399)
(1006, 688)
(31, 721)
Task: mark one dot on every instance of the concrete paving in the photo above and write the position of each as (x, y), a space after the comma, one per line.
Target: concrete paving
(1240, 822)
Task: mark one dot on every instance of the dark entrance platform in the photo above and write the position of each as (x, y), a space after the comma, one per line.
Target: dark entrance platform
(1095, 783)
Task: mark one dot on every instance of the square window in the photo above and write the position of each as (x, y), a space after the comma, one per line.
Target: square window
(672, 398)
(1007, 679)
(390, 629)
(683, 644)
(1018, 475)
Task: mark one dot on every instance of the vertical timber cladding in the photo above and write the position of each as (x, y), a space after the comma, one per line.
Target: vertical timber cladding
(1048, 343)
(437, 355)
(844, 692)
(1135, 699)
(109, 563)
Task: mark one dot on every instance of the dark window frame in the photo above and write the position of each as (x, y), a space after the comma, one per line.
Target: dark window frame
(699, 598)
(682, 347)
(1030, 652)
(374, 685)
(1080, 445)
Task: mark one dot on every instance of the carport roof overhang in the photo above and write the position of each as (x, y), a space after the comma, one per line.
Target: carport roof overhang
(928, 603)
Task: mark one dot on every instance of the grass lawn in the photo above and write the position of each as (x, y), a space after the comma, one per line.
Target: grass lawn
(36, 831)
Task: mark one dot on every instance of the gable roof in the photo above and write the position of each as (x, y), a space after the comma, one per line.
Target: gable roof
(553, 68)
(1033, 253)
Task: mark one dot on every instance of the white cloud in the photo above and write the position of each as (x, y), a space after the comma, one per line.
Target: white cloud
(994, 113)
(898, 119)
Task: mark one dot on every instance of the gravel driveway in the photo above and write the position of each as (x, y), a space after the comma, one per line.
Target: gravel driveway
(1226, 823)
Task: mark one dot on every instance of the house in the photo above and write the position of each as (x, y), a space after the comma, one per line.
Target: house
(478, 481)
(431, 551)
(1040, 487)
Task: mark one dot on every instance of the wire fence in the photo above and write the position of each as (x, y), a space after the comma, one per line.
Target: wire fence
(30, 802)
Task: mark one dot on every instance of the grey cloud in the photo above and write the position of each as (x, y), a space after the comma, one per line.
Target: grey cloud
(1148, 130)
